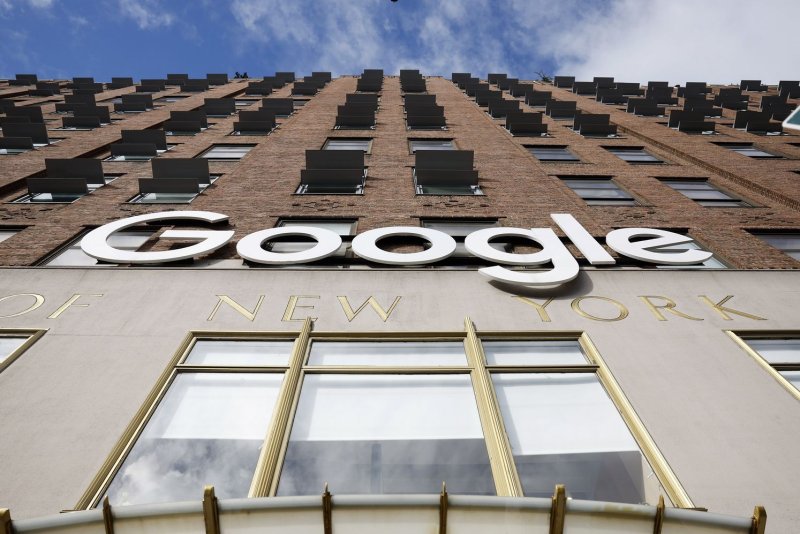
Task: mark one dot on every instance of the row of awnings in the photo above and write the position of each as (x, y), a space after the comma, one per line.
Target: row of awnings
(358, 111)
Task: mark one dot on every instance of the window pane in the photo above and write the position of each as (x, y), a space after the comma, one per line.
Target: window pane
(164, 198)
(386, 434)
(552, 153)
(793, 377)
(711, 263)
(431, 144)
(777, 350)
(339, 227)
(395, 353)
(208, 430)
(567, 352)
(459, 228)
(5, 234)
(240, 353)
(348, 144)
(9, 345)
(74, 255)
(449, 190)
(564, 429)
(227, 151)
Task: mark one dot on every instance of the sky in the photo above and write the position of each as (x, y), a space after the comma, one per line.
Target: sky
(717, 41)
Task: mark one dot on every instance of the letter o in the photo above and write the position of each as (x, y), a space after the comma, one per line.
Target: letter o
(38, 301)
(442, 246)
(576, 306)
(249, 247)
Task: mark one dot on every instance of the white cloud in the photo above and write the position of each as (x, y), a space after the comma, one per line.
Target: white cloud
(718, 41)
(147, 14)
(41, 4)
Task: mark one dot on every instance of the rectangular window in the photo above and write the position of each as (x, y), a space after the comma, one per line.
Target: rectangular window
(14, 342)
(73, 256)
(226, 152)
(747, 149)
(705, 193)
(66, 198)
(341, 143)
(345, 228)
(173, 198)
(711, 263)
(633, 154)
(459, 229)
(788, 243)
(392, 415)
(598, 190)
(430, 144)
(6, 233)
(778, 353)
(552, 153)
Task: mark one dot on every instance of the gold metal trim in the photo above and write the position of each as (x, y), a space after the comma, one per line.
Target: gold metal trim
(118, 454)
(740, 337)
(32, 334)
(443, 509)
(759, 521)
(504, 471)
(272, 450)
(558, 510)
(658, 521)
(327, 511)
(210, 511)
(675, 491)
(108, 518)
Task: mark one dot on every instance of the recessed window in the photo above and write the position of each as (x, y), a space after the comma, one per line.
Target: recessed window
(344, 227)
(552, 153)
(8, 151)
(788, 242)
(705, 193)
(711, 263)
(73, 256)
(173, 197)
(6, 233)
(430, 144)
(341, 143)
(227, 152)
(634, 154)
(449, 190)
(747, 149)
(36, 198)
(598, 191)
(460, 229)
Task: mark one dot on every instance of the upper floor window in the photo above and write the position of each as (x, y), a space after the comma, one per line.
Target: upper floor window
(704, 193)
(711, 263)
(633, 154)
(552, 153)
(346, 228)
(459, 229)
(5, 233)
(788, 242)
(747, 149)
(14, 342)
(226, 152)
(430, 144)
(598, 190)
(72, 255)
(344, 143)
(779, 353)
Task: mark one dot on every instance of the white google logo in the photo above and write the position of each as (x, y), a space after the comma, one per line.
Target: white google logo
(645, 244)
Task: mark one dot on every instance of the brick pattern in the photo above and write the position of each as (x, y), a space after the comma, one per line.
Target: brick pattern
(518, 189)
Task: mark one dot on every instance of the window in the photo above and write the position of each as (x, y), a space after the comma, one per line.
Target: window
(174, 197)
(778, 353)
(9, 151)
(430, 144)
(5, 233)
(788, 242)
(747, 149)
(226, 152)
(449, 190)
(343, 143)
(459, 229)
(14, 342)
(135, 157)
(705, 193)
(73, 256)
(403, 417)
(552, 153)
(62, 197)
(598, 190)
(633, 154)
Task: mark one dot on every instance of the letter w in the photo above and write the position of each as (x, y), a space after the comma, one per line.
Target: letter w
(384, 314)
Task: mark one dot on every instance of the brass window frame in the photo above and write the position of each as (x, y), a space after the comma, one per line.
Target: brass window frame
(270, 463)
(32, 334)
(740, 337)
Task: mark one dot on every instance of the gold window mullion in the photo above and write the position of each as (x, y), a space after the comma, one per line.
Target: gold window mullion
(272, 449)
(501, 459)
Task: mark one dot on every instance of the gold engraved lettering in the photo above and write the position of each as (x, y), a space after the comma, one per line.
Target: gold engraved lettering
(38, 301)
(669, 306)
(384, 314)
(623, 311)
(540, 308)
(288, 315)
(70, 304)
(244, 312)
(724, 310)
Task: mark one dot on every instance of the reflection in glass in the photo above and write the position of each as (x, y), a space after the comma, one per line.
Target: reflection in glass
(232, 353)
(565, 352)
(564, 429)
(777, 350)
(207, 430)
(386, 434)
(793, 377)
(400, 353)
(9, 345)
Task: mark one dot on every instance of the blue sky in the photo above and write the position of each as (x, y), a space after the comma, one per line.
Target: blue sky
(634, 40)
